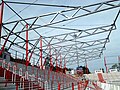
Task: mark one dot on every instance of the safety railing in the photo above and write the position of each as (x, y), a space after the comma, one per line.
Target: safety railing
(17, 54)
(45, 80)
(21, 79)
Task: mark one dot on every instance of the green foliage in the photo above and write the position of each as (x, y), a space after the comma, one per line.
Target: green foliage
(114, 66)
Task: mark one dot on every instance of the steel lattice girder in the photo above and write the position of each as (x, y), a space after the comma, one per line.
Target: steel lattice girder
(70, 44)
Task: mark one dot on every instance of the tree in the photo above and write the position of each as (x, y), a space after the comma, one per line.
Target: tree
(114, 66)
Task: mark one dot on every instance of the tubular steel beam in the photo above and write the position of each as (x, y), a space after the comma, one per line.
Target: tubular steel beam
(88, 32)
(21, 39)
(15, 39)
(33, 48)
(38, 4)
(83, 8)
(1, 17)
(72, 62)
(87, 43)
(7, 38)
(103, 30)
(24, 20)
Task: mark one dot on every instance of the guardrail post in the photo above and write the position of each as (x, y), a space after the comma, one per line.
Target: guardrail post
(22, 82)
(48, 75)
(16, 86)
(44, 74)
(46, 85)
(79, 86)
(72, 86)
(58, 86)
(26, 75)
(14, 74)
(52, 82)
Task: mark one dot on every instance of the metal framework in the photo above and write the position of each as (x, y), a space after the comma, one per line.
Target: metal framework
(25, 24)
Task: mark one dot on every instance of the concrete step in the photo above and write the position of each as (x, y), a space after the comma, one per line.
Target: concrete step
(3, 85)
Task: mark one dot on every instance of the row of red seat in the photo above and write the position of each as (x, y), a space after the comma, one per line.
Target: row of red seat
(10, 77)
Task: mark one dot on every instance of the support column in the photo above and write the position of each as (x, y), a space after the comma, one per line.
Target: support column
(58, 86)
(64, 63)
(56, 65)
(33, 65)
(72, 86)
(105, 65)
(16, 86)
(27, 61)
(50, 57)
(56, 61)
(41, 52)
(50, 62)
(1, 17)
(37, 73)
(2, 49)
(60, 61)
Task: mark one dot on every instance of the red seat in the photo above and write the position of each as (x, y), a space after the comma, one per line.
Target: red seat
(100, 77)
